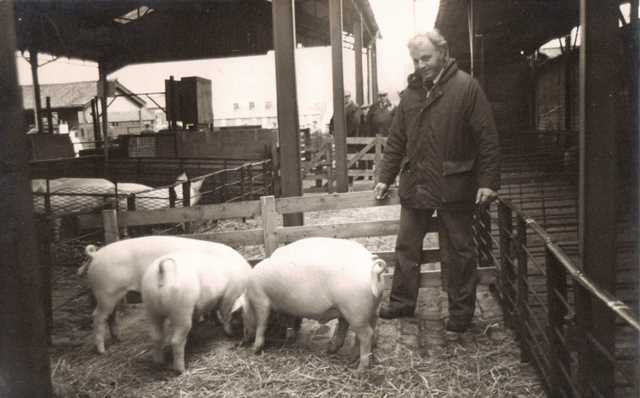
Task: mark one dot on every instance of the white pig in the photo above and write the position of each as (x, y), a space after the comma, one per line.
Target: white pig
(322, 279)
(118, 267)
(150, 199)
(182, 286)
(89, 194)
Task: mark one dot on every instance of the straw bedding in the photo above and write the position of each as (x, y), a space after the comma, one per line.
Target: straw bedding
(413, 356)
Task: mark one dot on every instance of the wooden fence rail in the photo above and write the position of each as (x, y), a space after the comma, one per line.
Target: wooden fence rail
(363, 159)
(271, 233)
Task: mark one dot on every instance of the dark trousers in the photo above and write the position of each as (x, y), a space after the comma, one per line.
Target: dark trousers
(457, 254)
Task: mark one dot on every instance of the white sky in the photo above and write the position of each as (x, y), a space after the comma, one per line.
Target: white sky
(395, 19)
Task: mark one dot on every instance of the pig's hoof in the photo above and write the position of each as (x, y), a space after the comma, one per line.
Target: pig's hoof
(332, 348)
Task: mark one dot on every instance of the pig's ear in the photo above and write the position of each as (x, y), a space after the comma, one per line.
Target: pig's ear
(238, 304)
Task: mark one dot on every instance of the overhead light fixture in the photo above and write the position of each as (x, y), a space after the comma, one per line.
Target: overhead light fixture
(133, 15)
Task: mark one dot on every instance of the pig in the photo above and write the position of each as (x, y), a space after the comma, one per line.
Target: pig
(150, 199)
(183, 285)
(322, 279)
(85, 194)
(118, 268)
(90, 194)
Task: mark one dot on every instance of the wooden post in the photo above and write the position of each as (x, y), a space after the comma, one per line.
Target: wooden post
(24, 361)
(37, 104)
(49, 116)
(374, 69)
(96, 125)
(269, 223)
(186, 194)
(186, 202)
(522, 294)
(47, 198)
(266, 173)
(102, 73)
(369, 98)
(339, 122)
(172, 196)
(284, 41)
(131, 202)
(275, 169)
(357, 50)
(110, 223)
(599, 88)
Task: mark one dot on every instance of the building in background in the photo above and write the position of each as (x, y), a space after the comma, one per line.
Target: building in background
(71, 110)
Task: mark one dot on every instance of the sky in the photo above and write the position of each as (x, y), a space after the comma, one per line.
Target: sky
(395, 19)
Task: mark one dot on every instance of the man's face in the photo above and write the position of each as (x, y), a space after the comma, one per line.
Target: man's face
(427, 60)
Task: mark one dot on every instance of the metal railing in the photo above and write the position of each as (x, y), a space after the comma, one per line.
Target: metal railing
(545, 297)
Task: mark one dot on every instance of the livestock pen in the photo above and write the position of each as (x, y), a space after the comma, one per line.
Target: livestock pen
(413, 355)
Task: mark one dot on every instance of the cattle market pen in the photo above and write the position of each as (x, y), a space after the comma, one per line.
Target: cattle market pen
(559, 249)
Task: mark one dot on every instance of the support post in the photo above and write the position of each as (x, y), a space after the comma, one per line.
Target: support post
(96, 124)
(339, 121)
(37, 100)
(24, 362)
(110, 225)
(105, 120)
(600, 58)
(374, 69)
(472, 32)
(284, 41)
(49, 116)
(357, 51)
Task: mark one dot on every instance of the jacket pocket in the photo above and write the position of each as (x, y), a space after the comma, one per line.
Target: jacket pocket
(459, 184)
(407, 183)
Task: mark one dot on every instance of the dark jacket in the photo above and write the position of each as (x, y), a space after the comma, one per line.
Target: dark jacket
(446, 144)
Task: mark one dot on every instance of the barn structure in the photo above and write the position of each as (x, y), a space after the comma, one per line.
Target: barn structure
(565, 245)
(115, 34)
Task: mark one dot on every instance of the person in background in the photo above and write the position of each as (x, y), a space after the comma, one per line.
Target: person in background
(352, 116)
(444, 144)
(380, 116)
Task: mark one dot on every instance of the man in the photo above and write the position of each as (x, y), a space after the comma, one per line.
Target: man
(352, 116)
(444, 143)
(379, 116)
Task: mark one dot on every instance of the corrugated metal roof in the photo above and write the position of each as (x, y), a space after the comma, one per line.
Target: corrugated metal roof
(63, 95)
(71, 95)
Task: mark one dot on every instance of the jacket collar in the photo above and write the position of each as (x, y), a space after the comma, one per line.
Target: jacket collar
(414, 81)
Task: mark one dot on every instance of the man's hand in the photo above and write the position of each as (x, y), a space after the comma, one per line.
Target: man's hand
(485, 196)
(381, 190)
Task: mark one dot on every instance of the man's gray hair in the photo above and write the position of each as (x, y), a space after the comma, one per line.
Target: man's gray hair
(438, 41)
